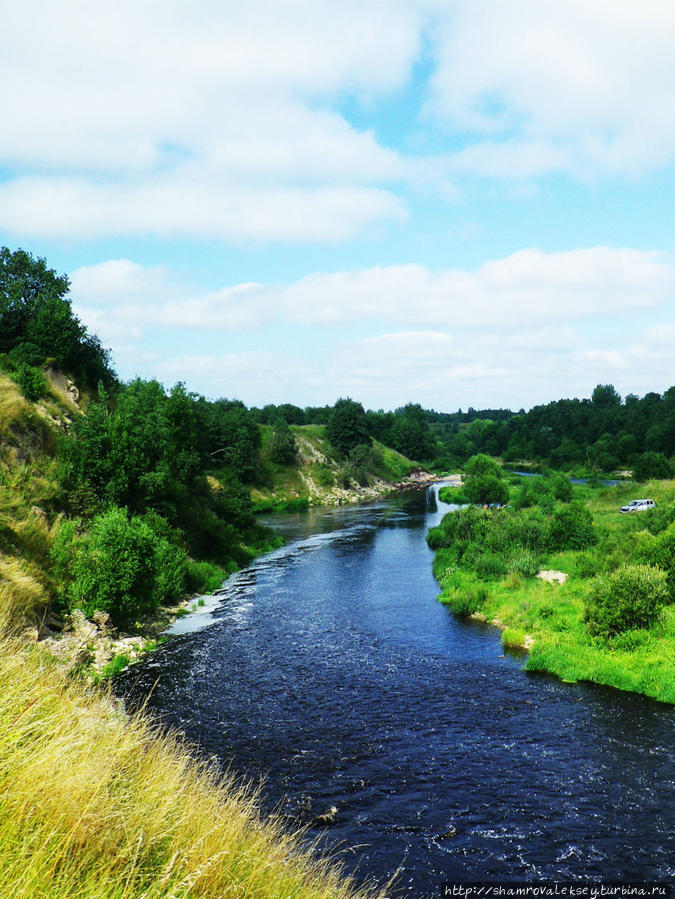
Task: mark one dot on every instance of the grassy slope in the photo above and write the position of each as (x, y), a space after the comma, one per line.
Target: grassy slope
(317, 478)
(552, 614)
(93, 803)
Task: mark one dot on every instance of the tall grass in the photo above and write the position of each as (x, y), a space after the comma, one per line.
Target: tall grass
(96, 804)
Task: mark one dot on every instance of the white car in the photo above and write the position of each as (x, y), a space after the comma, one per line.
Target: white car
(638, 505)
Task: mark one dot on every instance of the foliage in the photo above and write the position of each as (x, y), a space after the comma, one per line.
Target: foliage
(486, 490)
(347, 426)
(572, 528)
(410, 433)
(31, 381)
(631, 597)
(651, 465)
(37, 321)
(480, 466)
(283, 448)
(121, 566)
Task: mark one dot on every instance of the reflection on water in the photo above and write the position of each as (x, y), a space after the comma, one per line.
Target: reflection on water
(331, 671)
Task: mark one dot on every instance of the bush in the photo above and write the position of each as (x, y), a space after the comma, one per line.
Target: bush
(659, 551)
(31, 382)
(489, 565)
(572, 528)
(486, 490)
(325, 476)
(658, 518)
(651, 465)
(631, 597)
(204, 577)
(123, 566)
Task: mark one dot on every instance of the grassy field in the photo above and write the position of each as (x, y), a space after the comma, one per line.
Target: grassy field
(547, 618)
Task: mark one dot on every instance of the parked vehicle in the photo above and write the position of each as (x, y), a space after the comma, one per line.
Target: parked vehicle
(638, 505)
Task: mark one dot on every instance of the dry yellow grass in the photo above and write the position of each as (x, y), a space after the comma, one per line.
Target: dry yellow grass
(96, 804)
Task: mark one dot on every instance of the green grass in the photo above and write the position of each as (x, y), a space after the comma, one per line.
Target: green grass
(641, 661)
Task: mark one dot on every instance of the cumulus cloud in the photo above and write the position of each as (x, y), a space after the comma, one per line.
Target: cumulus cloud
(227, 120)
(529, 286)
(571, 86)
(516, 331)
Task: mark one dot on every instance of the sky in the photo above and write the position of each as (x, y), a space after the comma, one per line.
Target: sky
(452, 202)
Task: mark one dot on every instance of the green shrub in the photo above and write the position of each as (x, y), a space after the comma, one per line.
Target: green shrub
(659, 551)
(561, 486)
(204, 577)
(631, 640)
(465, 601)
(282, 446)
(123, 566)
(571, 528)
(481, 465)
(325, 476)
(486, 490)
(651, 465)
(588, 564)
(513, 639)
(631, 597)
(31, 382)
(657, 519)
(489, 565)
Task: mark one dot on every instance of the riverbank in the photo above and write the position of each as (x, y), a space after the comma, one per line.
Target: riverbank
(546, 617)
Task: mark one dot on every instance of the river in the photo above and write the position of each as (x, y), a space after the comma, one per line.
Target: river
(330, 672)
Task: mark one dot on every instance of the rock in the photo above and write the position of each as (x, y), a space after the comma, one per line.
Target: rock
(102, 621)
(328, 818)
(447, 834)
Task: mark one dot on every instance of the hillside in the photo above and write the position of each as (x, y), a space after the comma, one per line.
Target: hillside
(95, 803)
(317, 476)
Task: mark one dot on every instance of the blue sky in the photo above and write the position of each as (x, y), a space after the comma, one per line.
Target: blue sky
(455, 202)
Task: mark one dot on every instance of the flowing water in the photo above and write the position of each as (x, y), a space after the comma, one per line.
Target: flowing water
(330, 670)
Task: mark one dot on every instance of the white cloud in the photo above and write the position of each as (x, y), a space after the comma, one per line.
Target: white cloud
(440, 370)
(213, 120)
(530, 287)
(223, 119)
(517, 331)
(571, 85)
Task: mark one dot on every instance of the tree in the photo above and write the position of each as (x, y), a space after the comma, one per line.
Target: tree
(37, 321)
(486, 490)
(283, 448)
(651, 465)
(480, 465)
(572, 528)
(347, 426)
(605, 395)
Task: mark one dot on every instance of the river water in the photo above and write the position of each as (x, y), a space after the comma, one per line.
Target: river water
(330, 672)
